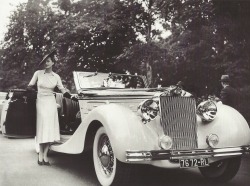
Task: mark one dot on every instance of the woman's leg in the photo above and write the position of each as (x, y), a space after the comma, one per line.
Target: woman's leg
(45, 154)
(41, 152)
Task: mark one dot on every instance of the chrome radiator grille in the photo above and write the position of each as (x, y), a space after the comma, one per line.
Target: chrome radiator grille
(178, 119)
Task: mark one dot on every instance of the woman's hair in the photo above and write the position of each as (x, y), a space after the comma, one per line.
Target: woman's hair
(52, 57)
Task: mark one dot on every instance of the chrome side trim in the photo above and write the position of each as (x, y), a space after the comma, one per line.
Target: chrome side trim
(138, 156)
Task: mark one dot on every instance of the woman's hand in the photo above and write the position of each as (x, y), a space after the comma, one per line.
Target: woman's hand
(69, 96)
(74, 98)
(31, 89)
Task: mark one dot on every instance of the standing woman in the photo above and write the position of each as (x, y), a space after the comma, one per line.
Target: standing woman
(47, 124)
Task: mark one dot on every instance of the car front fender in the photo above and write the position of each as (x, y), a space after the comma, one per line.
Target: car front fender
(229, 125)
(124, 129)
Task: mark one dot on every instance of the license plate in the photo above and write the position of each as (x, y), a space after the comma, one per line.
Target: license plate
(197, 162)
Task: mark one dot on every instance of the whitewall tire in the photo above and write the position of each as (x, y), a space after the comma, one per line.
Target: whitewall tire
(109, 170)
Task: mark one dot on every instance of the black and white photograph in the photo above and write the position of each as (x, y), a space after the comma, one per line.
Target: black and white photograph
(125, 92)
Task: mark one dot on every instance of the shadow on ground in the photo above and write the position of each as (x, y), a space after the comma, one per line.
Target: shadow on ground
(143, 175)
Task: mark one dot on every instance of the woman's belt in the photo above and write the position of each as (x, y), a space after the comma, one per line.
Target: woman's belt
(45, 94)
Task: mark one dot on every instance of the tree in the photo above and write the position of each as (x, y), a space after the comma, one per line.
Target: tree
(88, 35)
(143, 56)
(233, 27)
(65, 5)
(209, 38)
(28, 38)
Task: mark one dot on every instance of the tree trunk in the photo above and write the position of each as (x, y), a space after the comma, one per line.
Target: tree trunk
(148, 39)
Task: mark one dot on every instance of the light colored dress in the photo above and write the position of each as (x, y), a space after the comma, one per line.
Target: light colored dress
(47, 124)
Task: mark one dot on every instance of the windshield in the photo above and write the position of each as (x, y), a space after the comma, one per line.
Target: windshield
(105, 80)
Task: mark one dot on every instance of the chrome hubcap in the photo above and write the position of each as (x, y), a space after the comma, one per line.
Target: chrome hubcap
(105, 154)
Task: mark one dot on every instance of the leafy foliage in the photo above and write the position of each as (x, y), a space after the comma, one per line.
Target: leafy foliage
(208, 38)
(89, 35)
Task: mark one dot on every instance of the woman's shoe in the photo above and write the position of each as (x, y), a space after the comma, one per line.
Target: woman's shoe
(40, 162)
(46, 163)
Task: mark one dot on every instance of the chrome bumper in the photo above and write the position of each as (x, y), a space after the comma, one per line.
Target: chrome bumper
(137, 156)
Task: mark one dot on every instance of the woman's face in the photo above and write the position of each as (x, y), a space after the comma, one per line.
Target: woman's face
(48, 63)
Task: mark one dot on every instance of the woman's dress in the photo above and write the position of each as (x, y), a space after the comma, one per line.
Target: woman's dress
(47, 124)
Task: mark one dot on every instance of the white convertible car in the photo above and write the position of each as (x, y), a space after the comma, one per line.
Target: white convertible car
(124, 122)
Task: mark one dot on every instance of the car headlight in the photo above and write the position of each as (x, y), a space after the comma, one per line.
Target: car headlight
(212, 140)
(165, 142)
(207, 110)
(148, 110)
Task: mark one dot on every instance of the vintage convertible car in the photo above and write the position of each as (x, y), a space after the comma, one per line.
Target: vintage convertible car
(163, 127)
(124, 122)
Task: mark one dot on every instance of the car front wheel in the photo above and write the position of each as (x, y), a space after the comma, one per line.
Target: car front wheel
(223, 170)
(109, 170)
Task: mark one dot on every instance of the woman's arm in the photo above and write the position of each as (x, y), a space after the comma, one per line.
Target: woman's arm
(32, 86)
(34, 79)
(60, 85)
(66, 94)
